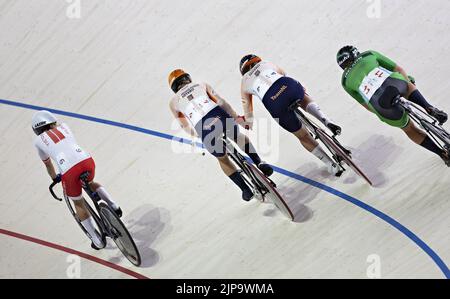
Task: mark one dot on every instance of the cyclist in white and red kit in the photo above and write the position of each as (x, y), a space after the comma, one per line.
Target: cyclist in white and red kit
(56, 142)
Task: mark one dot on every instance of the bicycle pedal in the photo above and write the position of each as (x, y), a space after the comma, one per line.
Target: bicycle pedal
(118, 212)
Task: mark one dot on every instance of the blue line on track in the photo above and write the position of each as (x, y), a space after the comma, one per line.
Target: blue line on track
(413, 237)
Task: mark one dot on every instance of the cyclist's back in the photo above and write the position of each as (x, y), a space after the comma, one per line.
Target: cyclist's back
(60, 145)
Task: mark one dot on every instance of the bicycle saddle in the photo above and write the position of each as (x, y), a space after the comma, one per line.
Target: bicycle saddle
(84, 176)
(295, 105)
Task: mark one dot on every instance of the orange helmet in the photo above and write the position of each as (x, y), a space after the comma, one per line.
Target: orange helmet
(178, 78)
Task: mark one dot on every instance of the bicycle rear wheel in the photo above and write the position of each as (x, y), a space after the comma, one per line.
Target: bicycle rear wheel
(272, 193)
(99, 229)
(341, 153)
(120, 235)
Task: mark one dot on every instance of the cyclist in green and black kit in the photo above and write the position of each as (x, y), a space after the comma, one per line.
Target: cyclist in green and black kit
(372, 78)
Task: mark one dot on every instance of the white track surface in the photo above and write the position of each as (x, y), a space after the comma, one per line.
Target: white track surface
(188, 219)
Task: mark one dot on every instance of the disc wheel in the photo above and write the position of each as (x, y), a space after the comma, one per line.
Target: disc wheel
(272, 193)
(120, 235)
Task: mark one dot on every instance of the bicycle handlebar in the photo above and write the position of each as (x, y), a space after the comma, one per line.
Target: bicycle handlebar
(50, 188)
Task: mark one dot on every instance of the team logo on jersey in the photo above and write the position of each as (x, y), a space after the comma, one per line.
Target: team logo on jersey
(279, 93)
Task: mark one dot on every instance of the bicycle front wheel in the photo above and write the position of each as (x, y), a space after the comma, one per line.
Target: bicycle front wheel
(120, 235)
(272, 193)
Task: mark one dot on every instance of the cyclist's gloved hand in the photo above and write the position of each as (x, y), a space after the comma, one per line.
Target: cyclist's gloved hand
(240, 120)
(412, 79)
(57, 179)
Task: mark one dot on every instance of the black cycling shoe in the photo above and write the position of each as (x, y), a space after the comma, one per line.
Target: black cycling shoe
(335, 129)
(118, 212)
(440, 115)
(247, 194)
(266, 169)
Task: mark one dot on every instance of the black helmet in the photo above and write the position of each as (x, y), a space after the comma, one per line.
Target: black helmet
(346, 56)
(247, 63)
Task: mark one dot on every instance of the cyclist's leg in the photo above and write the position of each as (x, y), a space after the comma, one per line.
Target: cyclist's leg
(306, 139)
(80, 208)
(211, 130)
(421, 138)
(313, 108)
(277, 100)
(414, 133)
(246, 145)
(96, 187)
(314, 148)
(73, 190)
(230, 170)
(415, 96)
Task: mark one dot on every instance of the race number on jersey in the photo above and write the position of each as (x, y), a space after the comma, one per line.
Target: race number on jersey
(372, 82)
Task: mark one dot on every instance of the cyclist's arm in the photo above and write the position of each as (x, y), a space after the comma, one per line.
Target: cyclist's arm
(214, 96)
(46, 160)
(390, 65)
(400, 70)
(182, 119)
(385, 62)
(50, 168)
(247, 105)
(279, 69)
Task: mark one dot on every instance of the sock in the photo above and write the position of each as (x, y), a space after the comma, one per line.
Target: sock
(89, 225)
(239, 181)
(431, 146)
(314, 110)
(106, 197)
(251, 152)
(417, 98)
(321, 155)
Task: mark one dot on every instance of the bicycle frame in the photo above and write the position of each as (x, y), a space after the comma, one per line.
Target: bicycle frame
(339, 153)
(239, 159)
(262, 185)
(92, 195)
(314, 129)
(425, 121)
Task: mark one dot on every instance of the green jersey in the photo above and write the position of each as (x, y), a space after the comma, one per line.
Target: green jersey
(366, 75)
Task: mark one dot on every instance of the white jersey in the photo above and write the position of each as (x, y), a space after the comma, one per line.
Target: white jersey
(194, 102)
(60, 145)
(260, 78)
